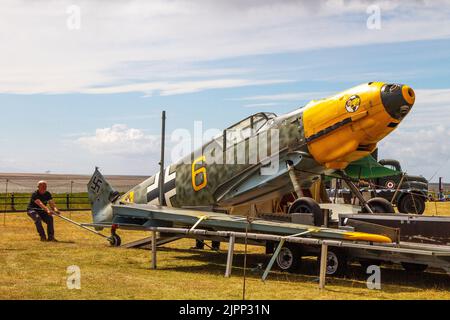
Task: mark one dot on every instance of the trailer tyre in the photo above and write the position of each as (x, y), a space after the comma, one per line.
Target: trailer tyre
(337, 262)
(414, 267)
(115, 240)
(379, 205)
(410, 203)
(289, 259)
(308, 205)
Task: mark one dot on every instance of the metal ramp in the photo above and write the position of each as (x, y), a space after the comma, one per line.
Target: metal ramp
(146, 243)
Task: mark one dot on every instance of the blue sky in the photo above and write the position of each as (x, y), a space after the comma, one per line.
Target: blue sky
(72, 98)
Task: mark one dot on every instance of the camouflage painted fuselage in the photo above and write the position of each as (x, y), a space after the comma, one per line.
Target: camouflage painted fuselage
(239, 162)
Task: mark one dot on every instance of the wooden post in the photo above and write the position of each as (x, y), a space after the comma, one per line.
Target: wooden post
(230, 256)
(154, 249)
(6, 195)
(13, 206)
(67, 201)
(71, 194)
(323, 265)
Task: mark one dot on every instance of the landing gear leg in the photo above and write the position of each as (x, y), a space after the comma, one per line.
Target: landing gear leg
(294, 180)
(304, 202)
(355, 191)
(114, 239)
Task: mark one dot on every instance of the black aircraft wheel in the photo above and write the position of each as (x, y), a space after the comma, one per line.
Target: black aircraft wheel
(414, 267)
(308, 205)
(379, 205)
(336, 262)
(289, 259)
(114, 240)
(411, 204)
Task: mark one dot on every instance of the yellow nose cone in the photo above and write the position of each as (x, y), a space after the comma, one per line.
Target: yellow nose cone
(408, 94)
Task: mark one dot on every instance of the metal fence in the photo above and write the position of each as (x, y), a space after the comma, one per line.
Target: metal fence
(13, 202)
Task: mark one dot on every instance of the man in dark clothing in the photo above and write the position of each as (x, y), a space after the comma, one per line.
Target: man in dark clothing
(38, 211)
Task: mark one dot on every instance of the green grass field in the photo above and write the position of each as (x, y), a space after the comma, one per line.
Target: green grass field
(30, 269)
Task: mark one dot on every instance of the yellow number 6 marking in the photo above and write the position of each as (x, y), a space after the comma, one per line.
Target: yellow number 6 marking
(195, 172)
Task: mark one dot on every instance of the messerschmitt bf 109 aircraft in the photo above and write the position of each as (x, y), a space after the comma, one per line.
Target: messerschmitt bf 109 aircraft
(262, 157)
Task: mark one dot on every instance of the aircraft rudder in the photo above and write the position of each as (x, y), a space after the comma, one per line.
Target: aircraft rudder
(101, 196)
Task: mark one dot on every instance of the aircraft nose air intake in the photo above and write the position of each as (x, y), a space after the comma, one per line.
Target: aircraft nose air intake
(397, 99)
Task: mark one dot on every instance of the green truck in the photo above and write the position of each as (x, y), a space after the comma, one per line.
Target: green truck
(412, 192)
(386, 179)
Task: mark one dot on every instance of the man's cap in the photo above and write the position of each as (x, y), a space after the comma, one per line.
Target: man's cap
(41, 182)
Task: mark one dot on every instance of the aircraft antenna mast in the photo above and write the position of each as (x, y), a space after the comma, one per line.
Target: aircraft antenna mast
(161, 162)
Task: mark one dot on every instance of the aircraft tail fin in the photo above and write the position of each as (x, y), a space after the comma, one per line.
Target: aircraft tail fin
(101, 196)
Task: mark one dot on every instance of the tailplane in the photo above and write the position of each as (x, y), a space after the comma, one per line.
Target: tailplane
(101, 196)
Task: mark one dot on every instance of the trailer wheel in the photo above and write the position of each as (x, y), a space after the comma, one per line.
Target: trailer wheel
(410, 203)
(308, 205)
(289, 259)
(414, 267)
(336, 262)
(379, 205)
(115, 240)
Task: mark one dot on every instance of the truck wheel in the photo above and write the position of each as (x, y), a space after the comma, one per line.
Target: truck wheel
(379, 205)
(308, 205)
(336, 262)
(289, 259)
(414, 267)
(410, 203)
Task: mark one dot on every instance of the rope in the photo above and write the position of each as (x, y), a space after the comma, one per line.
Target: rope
(198, 222)
(439, 168)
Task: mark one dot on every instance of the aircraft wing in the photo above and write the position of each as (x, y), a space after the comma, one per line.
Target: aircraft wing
(134, 216)
(369, 168)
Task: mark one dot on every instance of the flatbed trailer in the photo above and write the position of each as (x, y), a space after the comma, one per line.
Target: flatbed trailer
(287, 250)
(286, 241)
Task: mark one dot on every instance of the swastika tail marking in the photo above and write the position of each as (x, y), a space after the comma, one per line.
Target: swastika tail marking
(96, 184)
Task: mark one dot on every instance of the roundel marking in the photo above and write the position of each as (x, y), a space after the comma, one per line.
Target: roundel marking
(390, 184)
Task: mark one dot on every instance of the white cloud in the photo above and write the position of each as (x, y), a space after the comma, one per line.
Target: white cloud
(167, 89)
(122, 44)
(424, 151)
(260, 105)
(296, 96)
(119, 140)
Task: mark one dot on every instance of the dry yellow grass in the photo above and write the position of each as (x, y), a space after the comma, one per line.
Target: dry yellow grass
(30, 269)
(437, 209)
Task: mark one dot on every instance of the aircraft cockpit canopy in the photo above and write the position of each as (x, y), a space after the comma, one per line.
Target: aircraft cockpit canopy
(255, 122)
(244, 128)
